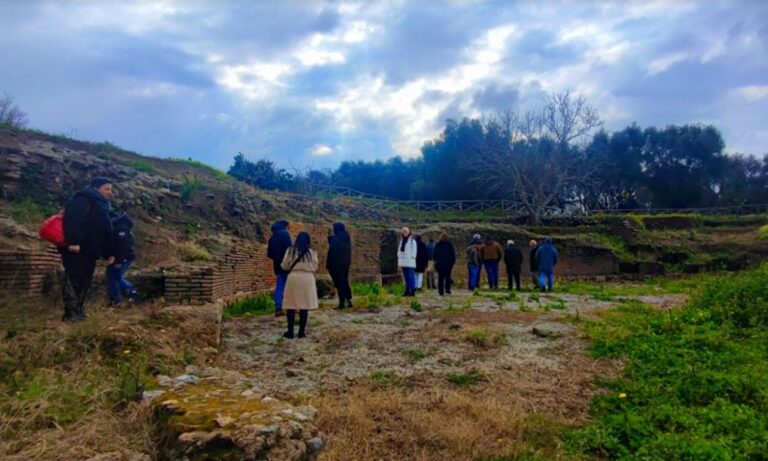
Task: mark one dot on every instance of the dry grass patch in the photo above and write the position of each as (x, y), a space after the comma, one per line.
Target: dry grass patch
(398, 423)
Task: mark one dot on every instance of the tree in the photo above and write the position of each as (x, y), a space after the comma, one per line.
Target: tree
(261, 174)
(10, 114)
(532, 157)
(448, 159)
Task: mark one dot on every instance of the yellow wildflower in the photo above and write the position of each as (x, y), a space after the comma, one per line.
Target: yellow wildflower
(622, 395)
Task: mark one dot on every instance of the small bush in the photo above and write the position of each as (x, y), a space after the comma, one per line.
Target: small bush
(249, 307)
(478, 337)
(188, 189)
(416, 354)
(415, 305)
(464, 379)
(384, 378)
(190, 252)
(29, 211)
(142, 165)
(762, 233)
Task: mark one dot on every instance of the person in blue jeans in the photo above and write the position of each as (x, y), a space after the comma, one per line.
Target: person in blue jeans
(406, 260)
(124, 253)
(546, 260)
(278, 243)
(474, 262)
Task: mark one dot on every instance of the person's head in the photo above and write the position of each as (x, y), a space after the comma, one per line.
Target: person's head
(103, 186)
(443, 237)
(532, 244)
(302, 242)
(338, 227)
(405, 232)
(510, 242)
(488, 241)
(476, 239)
(417, 238)
(548, 240)
(431, 240)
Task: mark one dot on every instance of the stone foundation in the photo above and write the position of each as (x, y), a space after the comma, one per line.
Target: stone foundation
(29, 272)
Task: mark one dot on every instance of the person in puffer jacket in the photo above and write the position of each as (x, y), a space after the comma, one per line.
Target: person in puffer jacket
(279, 242)
(406, 260)
(124, 253)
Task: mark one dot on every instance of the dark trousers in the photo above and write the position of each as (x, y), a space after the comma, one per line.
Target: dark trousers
(444, 280)
(340, 279)
(78, 275)
(291, 316)
(513, 275)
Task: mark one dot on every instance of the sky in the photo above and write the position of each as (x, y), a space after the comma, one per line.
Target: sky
(309, 84)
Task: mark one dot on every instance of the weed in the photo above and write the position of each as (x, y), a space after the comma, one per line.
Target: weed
(523, 306)
(29, 211)
(534, 297)
(141, 165)
(384, 378)
(478, 337)
(464, 379)
(191, 227)
(762, 232)
(416, 354)
(415, 305)
(188, 189)
(249, 307)
(218, 174)
(190, 251)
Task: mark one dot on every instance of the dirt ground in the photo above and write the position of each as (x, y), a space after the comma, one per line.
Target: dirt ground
(458, 377)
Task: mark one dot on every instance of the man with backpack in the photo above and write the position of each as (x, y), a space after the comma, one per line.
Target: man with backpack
(88, 233)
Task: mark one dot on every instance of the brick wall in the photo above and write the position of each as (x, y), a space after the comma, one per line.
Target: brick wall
(29, 272)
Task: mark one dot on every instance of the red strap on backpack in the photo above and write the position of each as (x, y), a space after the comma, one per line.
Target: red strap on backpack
(52, 230)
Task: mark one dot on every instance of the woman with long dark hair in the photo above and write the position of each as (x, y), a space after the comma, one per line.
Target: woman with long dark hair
(300, 261)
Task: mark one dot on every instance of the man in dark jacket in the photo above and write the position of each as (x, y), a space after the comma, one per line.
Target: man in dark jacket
(124, 253)
(88, 232)
(533, 246)
(513, 259)
(338, 262)
(546, 260)
(445, 258)
(422, 261)
(278, 243)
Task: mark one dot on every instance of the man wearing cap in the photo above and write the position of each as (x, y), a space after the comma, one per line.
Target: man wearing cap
(513, 259)
(88, 232)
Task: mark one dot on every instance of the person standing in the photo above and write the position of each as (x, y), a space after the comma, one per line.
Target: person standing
(406, 260)
(88, 232)
(473, 262)
(299, 263)
(279, 242)
(431, 282)
(546, 260)
(125, 253)
(513, 259)
(422, 261)
(492, 253)
(338, 262)
(533, 247)
(445, 258)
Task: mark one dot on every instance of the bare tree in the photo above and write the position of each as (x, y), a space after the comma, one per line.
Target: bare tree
(10, 114)
(533, 157)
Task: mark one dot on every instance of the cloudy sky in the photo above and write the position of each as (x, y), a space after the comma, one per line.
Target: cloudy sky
(309, 84)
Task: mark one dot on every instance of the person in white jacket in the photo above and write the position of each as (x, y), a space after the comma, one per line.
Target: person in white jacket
(406, 259)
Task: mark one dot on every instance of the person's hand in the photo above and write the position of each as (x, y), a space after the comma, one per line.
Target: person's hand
(74, 248)
(110, 260)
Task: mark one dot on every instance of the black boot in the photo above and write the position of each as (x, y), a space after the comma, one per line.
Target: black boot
(340, 307)
(303, 317)
(290, 314)
(349, 303)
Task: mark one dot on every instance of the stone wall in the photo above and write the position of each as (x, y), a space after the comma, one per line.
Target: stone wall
(29, 272)
(245, 269)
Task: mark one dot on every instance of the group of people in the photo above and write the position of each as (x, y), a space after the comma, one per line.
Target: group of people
(414, 258)
(294, 265)
(94, 229)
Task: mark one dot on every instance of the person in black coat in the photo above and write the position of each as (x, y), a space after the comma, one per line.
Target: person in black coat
(534, 247)
(279, 242)
(88, 232)
(513, 259)
(124, 253)
(445, 258)
(338, 262)
(422, 261)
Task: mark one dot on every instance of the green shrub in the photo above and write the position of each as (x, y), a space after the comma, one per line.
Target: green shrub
(415, 305)
(384, 378)
(29, 211)
(762, 232)
(478, 337)
(139, 164)
(190, 252)
(416, 354)
(188, 189)
(249, 307)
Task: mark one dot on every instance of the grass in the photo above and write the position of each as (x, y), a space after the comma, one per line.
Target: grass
(762, 232)
(464, 379)
(696, 382)
(142, 165)
(29, 211)
(250, 307)
(189, 188)
(190, 252)
(416, 354)
(218, 174)
(650, 287)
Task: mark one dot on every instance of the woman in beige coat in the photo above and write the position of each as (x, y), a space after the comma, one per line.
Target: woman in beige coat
(300, 290)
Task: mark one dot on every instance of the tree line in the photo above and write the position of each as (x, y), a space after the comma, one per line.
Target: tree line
(556, 156)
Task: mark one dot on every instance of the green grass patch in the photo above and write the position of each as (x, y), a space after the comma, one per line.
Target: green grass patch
(29, 211)
(218, 174)
(384, 378)
(249, 307)
(762, 232)
(464, 379)
(416, 354)
(416, 306)
(696, 381)
(142, 165)
(189, 188)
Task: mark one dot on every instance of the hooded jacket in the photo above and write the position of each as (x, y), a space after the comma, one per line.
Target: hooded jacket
(87, 223)
(546, 257)
(339, 249)
(278, 243)
(122, 238)
(422, 255)
(445, 255)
